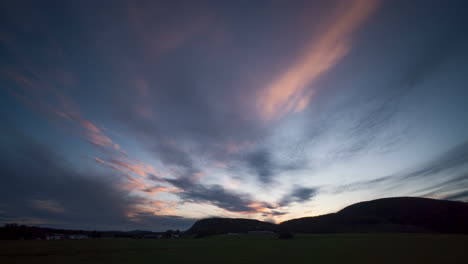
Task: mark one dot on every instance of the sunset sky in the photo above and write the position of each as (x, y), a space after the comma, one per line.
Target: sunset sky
(122, 115)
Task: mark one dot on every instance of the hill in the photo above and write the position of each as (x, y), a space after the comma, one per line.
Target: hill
(387, 215)
(213, 226)
(393, 215)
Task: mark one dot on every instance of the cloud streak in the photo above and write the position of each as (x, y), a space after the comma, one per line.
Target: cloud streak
(49, 191)
(447, 164)
(291, 92)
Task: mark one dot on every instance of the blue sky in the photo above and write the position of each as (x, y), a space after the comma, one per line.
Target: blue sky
(152, 114)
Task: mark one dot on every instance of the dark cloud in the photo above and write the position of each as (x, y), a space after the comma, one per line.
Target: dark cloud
(194, 192)
(38, 184)
(274, 213)
(172, 154)
(261, 163)
(298, 195)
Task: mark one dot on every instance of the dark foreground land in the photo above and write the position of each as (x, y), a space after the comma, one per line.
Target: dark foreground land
(336, 248)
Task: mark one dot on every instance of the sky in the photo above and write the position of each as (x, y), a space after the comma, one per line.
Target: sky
(123, 115)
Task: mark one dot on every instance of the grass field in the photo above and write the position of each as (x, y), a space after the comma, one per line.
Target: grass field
(340, 248)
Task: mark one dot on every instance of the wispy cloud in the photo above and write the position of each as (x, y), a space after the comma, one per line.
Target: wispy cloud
(51, 101)
(49, 205)
(159, 189)
(291, 92)
(137, 167)
(41, 186)
(447, 164)
(460, 196)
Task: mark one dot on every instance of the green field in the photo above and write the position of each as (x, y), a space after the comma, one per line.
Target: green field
(340, 248)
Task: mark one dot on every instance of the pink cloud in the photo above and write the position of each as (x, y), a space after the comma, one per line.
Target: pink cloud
(45, 98)
(159, 189)
(90, 126)
(289, 91)
(136, 172)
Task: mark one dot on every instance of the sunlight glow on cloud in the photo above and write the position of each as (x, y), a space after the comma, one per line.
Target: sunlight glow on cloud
(290, 91)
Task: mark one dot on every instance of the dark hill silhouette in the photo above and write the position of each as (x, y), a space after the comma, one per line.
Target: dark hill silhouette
(213, 226)
(390, 215)
(399, 214)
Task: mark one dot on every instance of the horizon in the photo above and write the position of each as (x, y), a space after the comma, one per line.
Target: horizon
(150, 115)
(219, 217)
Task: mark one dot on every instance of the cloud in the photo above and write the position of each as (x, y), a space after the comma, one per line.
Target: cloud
(87, 129)
(45, 97)
(453, 158)
(290, 91)
(172, 154)
(192, 191)
(127, 166)
(158, 39)
(448, 163)
(160, 103)
(101, 140)
(298, 195)
(275, 213)
(90, 126)
(158, 189)
(261, 163)
(49, 205)
(459, 196)
(38, 184)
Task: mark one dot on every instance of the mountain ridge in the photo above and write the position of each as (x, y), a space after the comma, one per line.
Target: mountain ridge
(387, 215)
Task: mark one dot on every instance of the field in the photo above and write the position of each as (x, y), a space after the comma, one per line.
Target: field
(339, 248)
